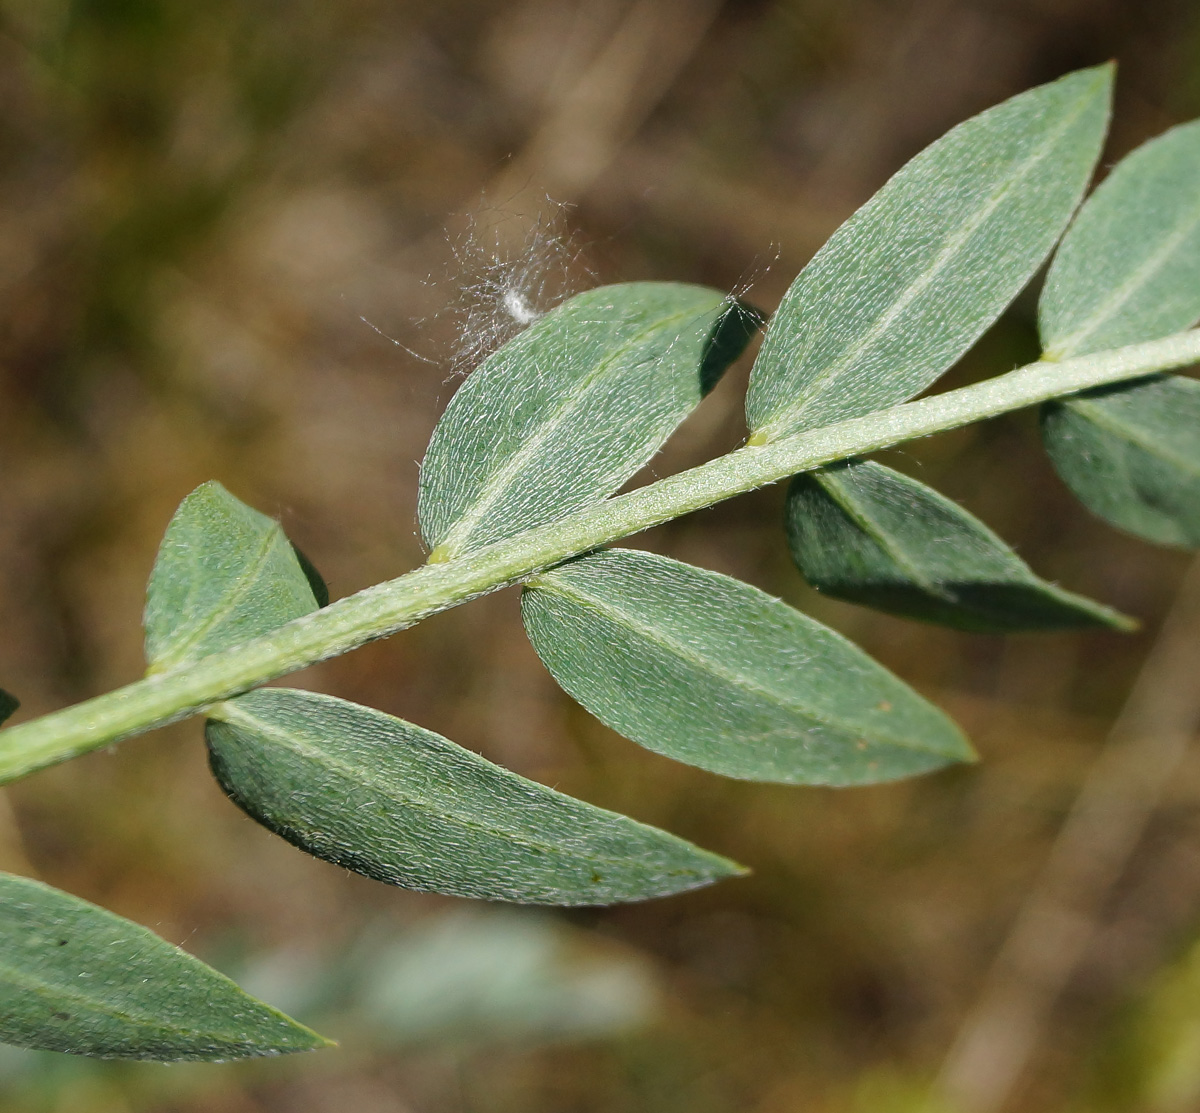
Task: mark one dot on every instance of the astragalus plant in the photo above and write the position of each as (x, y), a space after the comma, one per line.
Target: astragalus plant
(518, 489)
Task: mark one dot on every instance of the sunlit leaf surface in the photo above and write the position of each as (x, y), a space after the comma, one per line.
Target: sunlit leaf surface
(567, 411)
(715, 673)
(1128, 269)
(910, 281)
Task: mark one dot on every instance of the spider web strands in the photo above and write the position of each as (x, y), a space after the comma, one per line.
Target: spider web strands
(508, 270)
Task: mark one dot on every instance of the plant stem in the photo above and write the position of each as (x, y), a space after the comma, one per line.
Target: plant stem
(388, 607)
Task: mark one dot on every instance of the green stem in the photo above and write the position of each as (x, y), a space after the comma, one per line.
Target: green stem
(388, 607)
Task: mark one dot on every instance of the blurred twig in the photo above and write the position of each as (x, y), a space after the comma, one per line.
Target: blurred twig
(1052, 931)
(609, 101)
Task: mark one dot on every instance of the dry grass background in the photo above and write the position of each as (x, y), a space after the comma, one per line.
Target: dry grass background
(199, 204)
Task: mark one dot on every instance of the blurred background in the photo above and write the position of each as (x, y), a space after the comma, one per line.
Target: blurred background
(261, 243)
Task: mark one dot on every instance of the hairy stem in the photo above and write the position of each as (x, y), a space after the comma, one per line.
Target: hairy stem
(394, 605)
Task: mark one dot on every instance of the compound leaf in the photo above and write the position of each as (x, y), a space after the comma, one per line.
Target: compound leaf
(1128, 270)
(862, 532)
(1131, 454)
(910, 281)
(564, 413)
(8, 704)
(403, 805)
(76, 978)
(715, 673)
(224, 574)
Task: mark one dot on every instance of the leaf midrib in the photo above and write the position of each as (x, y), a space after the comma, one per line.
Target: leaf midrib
(51, 991)
(180, 652)
(1071, 344)
(888, 542)
(1097, 415)
(356, 774)
(1019, 574)
(501, 479)
(951, 249)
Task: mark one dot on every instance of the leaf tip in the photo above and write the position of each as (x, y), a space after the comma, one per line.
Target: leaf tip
(299, 1038)
(318, 1041)
(1125, 623)
(711, 869)
(1102, 76)
(721, 867)
(957, 747)
(964, 749)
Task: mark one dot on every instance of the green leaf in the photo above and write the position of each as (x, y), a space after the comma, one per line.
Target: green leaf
(8, 704)
(403, 805)
(910, 281)
(225, 573)
(1131, 454)
(76, 978)
(568, 410)
(862, 532)
(715, 673)
(1128, 269)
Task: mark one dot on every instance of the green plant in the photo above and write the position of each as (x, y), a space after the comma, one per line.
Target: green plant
(518, 487)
